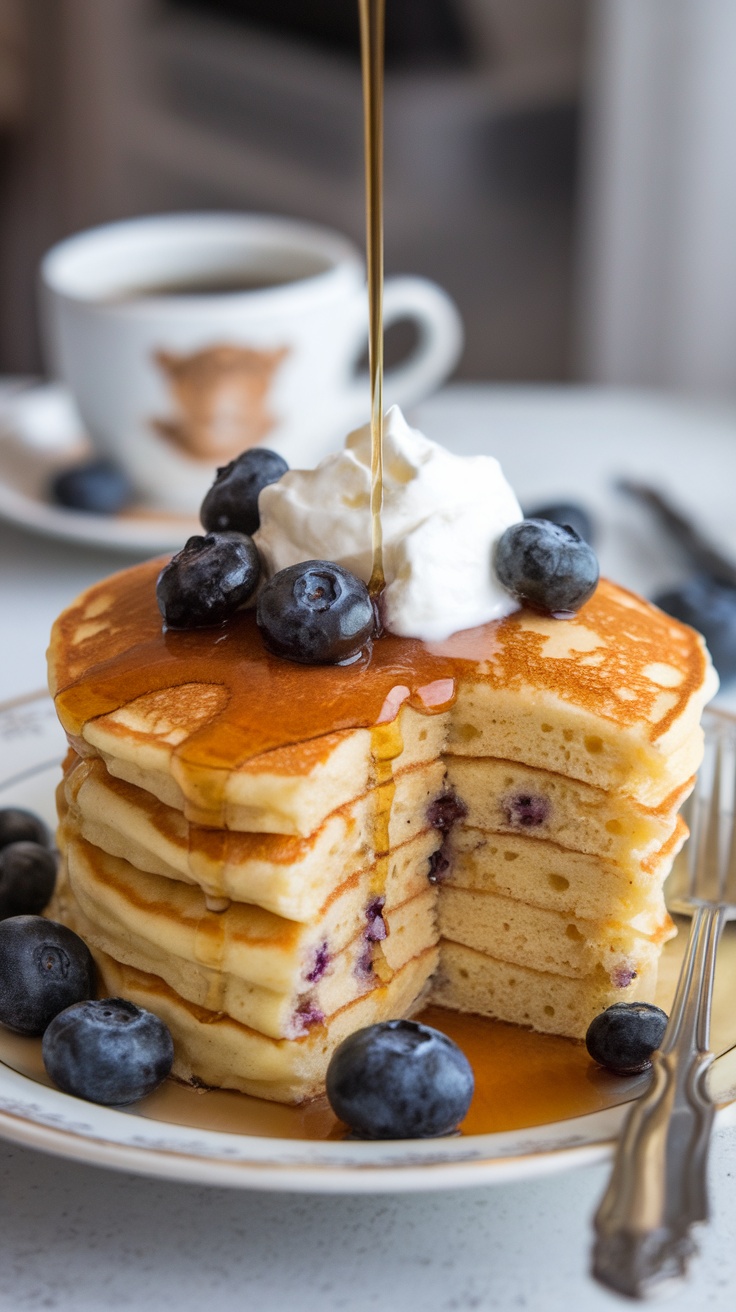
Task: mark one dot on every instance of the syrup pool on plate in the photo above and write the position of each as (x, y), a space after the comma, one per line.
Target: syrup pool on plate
(522, 1079)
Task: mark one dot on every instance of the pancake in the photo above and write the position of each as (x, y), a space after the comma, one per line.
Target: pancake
(290, 790)
(476, 982)
(546, 875)
(215, 1050)
(550, 941)
(275, 976)
(508, 798)
(290, 876)
(271, 855)
(238, 738)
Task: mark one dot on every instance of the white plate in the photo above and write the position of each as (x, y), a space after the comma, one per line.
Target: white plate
(184, 1146)
(41, 433)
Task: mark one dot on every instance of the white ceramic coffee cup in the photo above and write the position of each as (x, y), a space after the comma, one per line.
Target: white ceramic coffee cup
(171, 385)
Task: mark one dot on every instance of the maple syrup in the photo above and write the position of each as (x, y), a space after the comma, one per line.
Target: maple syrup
(372, 23)
(522, 1079)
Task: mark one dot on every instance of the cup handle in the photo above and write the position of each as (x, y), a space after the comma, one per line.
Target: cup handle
(440, 338)
(437, 351)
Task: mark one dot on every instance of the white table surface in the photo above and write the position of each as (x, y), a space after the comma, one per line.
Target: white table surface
(77, 1237)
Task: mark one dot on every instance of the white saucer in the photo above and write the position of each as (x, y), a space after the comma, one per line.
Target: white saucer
(41, 433)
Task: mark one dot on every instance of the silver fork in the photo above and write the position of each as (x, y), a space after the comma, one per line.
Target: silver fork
(658, 1188)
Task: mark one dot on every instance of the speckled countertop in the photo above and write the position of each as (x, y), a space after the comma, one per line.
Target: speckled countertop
(80, 1239)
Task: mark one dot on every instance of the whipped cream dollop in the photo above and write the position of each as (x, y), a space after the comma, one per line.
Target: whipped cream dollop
(442, 516)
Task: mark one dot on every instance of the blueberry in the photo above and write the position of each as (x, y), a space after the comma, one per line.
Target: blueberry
(27, 878)
(376, 929)
(317, 613)
(232, 501)
(208, 580)
(710, 607)
(110, 1051)
(439, 864)
(547, 566)
(306, 1015)
(566, 512)
(44, 967)
(399, 1080)
(319, 965)
(445, 811)
(525, 810)
(625, 1035)
(98, 487)
(19, 826)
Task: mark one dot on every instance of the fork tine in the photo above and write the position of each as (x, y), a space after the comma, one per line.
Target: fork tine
(704, 831)
(728, 833)
(709, 867)
(712, 847)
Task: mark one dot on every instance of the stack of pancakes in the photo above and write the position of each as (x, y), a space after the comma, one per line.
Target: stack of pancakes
(270, 856)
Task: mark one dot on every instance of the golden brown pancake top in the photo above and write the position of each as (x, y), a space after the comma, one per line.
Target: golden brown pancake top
(620, 658)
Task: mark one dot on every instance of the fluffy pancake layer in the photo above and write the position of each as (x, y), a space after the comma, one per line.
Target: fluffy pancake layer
(547, 875)
(507, 798)
(216, 1050)
(291, 876)
(480, 983)
(275, 975)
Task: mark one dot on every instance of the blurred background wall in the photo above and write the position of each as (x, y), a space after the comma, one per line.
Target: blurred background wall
(563, 167)
(132, 106)
(657, 274)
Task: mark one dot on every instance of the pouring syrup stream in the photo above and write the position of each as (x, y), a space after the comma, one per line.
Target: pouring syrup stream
(372, 23)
